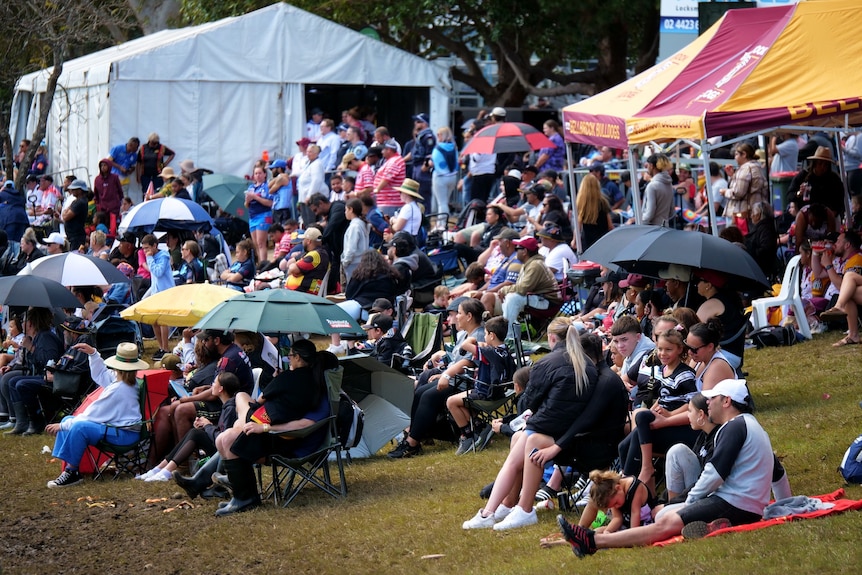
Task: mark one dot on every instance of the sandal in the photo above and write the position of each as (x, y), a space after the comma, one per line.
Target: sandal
(833, 314)
(845, 341)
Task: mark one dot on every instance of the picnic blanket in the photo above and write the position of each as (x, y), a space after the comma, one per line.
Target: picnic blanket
(837, 497)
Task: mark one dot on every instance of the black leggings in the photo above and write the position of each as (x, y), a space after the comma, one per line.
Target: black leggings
(195, 439)
(481, 187)
(662, 439)
(427, 403)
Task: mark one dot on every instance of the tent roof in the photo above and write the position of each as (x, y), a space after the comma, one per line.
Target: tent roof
(763, 68)
(601, 119)
(278, 44)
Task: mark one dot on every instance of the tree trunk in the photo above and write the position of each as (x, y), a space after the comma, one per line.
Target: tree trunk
(42, 125)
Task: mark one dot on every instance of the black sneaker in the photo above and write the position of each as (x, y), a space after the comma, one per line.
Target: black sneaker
(700, 529)
(404, 449)
(484, 438)
(66, 479)
(159, 355)
(582, 540)
(465, 444)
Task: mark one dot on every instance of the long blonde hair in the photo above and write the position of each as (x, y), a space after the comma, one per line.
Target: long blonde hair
(578, 358)
(591, 201)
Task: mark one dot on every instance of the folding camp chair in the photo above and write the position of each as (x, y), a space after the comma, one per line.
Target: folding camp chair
(291, 474)
(126, 458)
(425, 337)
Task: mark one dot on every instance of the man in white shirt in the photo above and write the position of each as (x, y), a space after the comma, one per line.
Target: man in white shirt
(560, 256)
(329, 143)
(312, 127)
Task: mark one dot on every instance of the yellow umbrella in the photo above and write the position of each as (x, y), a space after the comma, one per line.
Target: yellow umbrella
(180, 306)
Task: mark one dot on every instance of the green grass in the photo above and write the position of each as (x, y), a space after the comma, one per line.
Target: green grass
(399, 511)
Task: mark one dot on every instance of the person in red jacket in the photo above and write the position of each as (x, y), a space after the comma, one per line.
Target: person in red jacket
(108, 190)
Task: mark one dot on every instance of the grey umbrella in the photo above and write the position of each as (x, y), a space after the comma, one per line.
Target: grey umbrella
(35, 291)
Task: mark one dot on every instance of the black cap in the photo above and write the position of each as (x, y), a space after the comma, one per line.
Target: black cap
(380, 321)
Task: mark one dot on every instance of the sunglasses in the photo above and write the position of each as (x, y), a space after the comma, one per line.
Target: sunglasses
(693, 349)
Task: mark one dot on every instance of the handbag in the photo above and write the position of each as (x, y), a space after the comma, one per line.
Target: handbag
(66, 382)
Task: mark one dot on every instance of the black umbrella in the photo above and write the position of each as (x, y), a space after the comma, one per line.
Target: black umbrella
(35, 291)
(648, 249)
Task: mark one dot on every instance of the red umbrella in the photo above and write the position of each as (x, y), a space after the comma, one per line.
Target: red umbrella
(507, 137)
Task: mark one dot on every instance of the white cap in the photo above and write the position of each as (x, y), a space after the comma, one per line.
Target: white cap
(735, 389)
(514, 173)
(499, 112)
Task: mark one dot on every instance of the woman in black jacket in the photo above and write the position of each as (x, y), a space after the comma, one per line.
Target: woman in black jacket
(561, 385)
(761, 242)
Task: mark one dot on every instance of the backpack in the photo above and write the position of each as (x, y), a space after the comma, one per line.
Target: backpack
(350, 421)
(774, 336)
(851, 465)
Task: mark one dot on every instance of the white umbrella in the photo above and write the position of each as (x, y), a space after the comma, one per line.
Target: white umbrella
(73, 269)
(164, 214)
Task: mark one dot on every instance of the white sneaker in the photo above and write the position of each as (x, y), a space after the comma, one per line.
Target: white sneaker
(340, 349)
(479, 522)
(160, 475)
(517, 518)
(147, 474)
(502, 512)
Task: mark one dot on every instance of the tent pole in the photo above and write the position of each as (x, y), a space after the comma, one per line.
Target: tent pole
(842, 171)
(713, 219)
(576, 224)
(636, 191)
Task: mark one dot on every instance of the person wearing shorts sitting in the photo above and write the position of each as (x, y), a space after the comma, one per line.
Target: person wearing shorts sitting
(732, 490)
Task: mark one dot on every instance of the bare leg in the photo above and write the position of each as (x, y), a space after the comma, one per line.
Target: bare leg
(224, 440)
(183, 419)
(667, 526)
(508, 474)
(455, 405)
(532, 472)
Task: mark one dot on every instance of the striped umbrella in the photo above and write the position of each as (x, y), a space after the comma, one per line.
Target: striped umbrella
(507, 137)
(165, 214)
(71, 269)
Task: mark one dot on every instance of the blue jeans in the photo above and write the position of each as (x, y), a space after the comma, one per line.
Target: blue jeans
(70, 445)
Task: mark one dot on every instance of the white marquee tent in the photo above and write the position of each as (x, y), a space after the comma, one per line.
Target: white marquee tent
(219, 93)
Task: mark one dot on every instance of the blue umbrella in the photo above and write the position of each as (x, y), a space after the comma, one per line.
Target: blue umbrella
(165, 214)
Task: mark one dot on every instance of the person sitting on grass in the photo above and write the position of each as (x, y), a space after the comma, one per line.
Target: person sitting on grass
(115, 415)
(561, 385)
(625, 497)
(204, 433)
(663, 420)
(496, 366)
(733, 489)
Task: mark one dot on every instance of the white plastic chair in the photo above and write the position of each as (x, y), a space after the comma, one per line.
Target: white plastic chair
(789, 295)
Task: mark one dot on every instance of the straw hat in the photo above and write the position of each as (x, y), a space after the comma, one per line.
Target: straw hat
(822, 153)
(126, 359)
(168, 172)
(411, 188)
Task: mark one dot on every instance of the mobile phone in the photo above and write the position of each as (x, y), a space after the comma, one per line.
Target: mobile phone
(534, 452)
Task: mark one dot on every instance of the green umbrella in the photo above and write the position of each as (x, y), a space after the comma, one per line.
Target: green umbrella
(228, 192)
(280, 311)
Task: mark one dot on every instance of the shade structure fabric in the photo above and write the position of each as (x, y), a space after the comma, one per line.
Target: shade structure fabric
(601, 119)
(507, 137)
(280, 311)
(648, 249)
(165, 214)
(181, 306)
(764, 67)
(73, 269)
(30, 290)
(228, 192)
